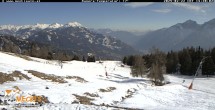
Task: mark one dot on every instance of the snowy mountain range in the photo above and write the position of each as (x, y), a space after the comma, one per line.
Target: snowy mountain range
(180, 36)
(77, 39)
(40, 26)
(71, 37)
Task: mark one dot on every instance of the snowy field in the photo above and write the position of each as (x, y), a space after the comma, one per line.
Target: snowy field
(87, 87)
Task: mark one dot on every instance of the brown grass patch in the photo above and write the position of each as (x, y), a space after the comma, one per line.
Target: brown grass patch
(91, 94)
(20, 56)
(5, 77)
(77, 78)
(109, 89)
(103, 90)
(129, 95)
(20, 75)
(83, 99)
(24, 57)
(50, 77)
(40, 99)
(10, 77)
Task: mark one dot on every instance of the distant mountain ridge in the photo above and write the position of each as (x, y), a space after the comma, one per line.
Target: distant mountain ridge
(71, 37)
(179, 36)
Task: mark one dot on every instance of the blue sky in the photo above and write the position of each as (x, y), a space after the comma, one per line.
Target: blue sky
(122, 16)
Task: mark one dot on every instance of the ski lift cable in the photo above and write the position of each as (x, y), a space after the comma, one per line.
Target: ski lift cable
(200, 65)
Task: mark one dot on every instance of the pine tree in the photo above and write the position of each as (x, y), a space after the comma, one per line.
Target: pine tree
(186, 62)
(147, 60)
(84, 59)
(130, 60)
(196, 57)
(124, 61)
(50, 56)
(75, 57)
(91, 59)
(208, 67)
(172, 61)
(213, 54)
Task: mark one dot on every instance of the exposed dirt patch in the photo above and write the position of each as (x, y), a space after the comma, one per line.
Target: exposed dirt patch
(91, 94)
(4, 77)
(128, 95)
(84, 100)
(103, 90)
(109, 89)
(50, 77)
(77, 78)
(20, 75)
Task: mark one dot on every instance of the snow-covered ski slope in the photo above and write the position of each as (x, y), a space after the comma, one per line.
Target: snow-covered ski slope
(118, 90)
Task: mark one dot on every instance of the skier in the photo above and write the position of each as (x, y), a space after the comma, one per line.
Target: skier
(61, 64)
(183, 81)
(106, 72)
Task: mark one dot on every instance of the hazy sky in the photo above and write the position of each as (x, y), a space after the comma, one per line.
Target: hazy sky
(122, 16)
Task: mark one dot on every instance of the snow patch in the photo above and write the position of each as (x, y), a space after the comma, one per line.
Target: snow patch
(73, 24)
(55, 25)
(49, 37)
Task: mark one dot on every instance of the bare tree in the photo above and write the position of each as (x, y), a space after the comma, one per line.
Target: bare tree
(158, 68)
(156, 74)
(139, 68)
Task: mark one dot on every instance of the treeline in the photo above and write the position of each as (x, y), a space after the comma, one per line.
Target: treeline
(45, 52)
(185, 61)
(34, 49)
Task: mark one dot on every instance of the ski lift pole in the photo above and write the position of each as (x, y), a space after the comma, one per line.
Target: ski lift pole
(200, 65)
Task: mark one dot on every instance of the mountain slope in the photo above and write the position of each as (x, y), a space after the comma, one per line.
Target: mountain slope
(84, 85)
(179, 36)
(204, 36)
(124, 36)
(71, 37)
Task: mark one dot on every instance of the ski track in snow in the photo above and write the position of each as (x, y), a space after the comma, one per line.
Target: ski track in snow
(141, 96)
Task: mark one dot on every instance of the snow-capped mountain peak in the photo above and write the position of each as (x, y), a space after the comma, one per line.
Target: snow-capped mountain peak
(73, 24)
(55, 25)
(9, 27)
(73, 37)
(40, 26)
